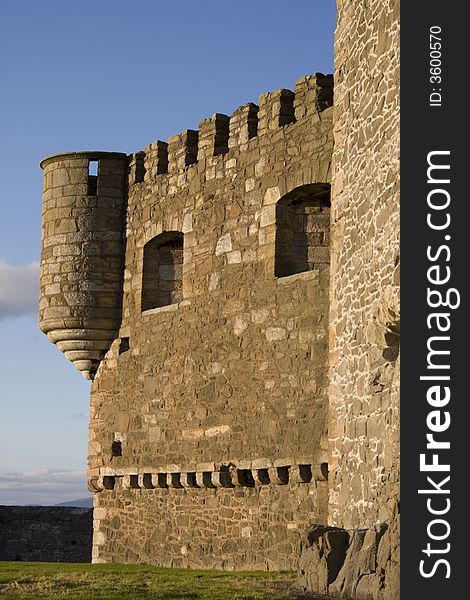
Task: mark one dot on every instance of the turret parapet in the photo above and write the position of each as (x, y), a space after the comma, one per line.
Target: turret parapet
(83, 157)
(84, 202)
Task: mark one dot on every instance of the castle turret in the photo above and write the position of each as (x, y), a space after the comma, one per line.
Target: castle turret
(83, 237)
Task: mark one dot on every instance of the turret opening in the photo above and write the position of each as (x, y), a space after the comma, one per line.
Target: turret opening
(92, 177)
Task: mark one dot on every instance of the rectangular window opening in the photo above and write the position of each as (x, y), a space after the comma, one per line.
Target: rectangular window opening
(124, 345)
(162, 277)
(92, 177)
(303, 230)
(93, 167)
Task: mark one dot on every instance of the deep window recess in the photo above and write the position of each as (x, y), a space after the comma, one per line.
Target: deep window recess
(123, 345)
(303, 230)
(92, 177)
(116, 448)
(162, 279)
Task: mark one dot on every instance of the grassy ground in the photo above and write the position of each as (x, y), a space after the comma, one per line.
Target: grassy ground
(61, 581)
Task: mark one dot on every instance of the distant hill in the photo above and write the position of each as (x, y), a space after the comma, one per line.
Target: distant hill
(81, 503)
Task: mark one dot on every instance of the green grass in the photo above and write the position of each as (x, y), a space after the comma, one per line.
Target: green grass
(61, 581)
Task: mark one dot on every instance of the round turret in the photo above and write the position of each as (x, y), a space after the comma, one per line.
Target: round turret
(82, 253)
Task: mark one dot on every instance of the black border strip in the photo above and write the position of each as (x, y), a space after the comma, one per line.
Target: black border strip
(433, 124)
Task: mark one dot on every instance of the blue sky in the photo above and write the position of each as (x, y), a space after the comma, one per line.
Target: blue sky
(109, 75)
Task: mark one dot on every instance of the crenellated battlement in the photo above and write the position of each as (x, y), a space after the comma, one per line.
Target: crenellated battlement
(221, 135)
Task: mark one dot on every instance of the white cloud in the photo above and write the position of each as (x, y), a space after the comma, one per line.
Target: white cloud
(45, 486)
(19, 290)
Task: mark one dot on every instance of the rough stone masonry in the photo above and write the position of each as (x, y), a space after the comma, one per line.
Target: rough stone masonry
(45, 533)
(242, 389)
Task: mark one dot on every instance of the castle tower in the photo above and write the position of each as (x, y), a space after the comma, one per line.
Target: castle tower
(84, 199)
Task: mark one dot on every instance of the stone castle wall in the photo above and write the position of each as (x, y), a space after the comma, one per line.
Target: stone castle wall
(46, 533)
(215, 385)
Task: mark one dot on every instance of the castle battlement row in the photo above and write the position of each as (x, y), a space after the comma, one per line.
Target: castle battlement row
(215, 138)
(220, 133)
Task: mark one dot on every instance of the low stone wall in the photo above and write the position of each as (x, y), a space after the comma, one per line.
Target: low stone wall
(46, 533)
